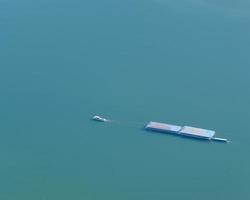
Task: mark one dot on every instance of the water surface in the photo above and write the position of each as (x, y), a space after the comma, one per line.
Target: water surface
(181, 62)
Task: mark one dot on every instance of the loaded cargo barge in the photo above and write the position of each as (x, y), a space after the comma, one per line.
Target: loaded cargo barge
(186, 131)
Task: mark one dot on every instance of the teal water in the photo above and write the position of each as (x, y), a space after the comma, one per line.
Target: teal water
(181, 62)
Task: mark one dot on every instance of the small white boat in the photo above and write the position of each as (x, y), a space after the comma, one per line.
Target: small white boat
(99, 119)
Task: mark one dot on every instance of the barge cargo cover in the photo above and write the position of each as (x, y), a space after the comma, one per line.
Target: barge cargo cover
(187, 131)
(162, 127)
(197, 132)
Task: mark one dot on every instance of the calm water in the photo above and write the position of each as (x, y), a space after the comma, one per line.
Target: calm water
(182, 62)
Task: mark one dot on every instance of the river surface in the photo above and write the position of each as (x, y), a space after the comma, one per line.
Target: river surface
(182, 62)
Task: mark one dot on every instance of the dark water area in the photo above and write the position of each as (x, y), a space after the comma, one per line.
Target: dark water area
(184, 63)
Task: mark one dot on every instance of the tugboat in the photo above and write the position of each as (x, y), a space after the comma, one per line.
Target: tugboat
(99, 119)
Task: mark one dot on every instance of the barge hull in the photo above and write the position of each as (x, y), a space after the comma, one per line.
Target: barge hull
(162, 127)
(186, 131)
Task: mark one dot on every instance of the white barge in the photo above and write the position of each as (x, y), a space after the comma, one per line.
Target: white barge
(187, 131)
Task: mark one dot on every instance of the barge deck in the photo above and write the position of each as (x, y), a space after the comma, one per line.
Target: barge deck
(187, 131)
